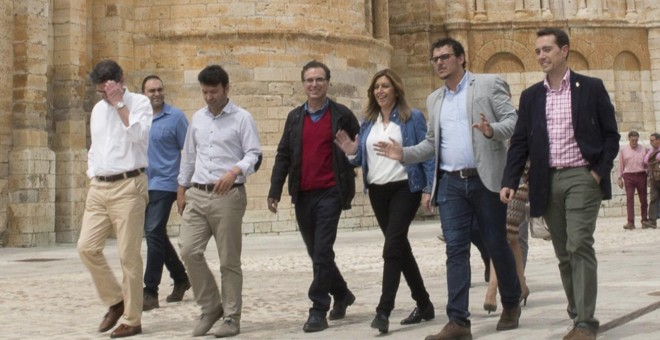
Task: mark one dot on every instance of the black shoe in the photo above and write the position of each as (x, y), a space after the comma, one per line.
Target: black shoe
(315, 323)
(339, 308)
(417, 315)
(381, 323)
(178, 291)
(149, 302)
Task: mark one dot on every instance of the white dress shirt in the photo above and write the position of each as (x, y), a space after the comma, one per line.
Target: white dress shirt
(215, 144)
(116, 148)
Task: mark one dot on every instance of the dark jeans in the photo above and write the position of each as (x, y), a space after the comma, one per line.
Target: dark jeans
(317, 213)
(461, 201)
(395, 207)
(635, 181)
(159, 248)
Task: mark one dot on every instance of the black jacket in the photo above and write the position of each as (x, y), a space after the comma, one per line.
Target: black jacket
(289, 154)
(594, 126)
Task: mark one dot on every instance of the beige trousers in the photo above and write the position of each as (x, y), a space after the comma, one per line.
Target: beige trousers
(117, 206)
(221, 216)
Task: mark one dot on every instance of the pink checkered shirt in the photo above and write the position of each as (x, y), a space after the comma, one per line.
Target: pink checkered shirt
(564, 150)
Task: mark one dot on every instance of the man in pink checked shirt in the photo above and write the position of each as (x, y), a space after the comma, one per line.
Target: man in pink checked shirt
(631, 174)
(653, 156)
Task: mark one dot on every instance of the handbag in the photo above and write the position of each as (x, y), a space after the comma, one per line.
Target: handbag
(538, 228)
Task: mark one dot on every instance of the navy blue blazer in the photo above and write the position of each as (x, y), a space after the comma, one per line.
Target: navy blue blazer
(596, 133)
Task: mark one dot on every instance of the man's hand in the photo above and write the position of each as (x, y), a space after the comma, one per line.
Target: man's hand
(272, 204)
(506, 195)
(391, 150)
(180, 199)
(484, 126)
(224, 183)
(114, 92)
(620, 183)
(345, 143)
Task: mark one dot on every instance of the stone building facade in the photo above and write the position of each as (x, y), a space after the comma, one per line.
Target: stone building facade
(49, 46)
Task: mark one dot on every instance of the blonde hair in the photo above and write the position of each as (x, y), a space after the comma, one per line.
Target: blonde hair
(373, 109)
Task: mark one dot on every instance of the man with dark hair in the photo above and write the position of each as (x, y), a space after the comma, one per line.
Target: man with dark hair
(168, 132)
(321, 185)
(470, 119)
(221, 149)
(567, 129)
(632, 171)
(117, 196)
(651, 160)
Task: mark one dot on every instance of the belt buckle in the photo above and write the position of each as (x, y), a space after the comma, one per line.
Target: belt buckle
(460, 174)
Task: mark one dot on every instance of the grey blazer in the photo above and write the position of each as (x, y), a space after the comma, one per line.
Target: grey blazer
(488, 94)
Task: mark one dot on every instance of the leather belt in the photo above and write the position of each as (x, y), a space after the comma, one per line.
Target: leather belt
(209, 187)
(464, 173)
(124, 175)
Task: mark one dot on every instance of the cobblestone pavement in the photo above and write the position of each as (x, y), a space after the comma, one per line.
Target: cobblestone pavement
(47, 293)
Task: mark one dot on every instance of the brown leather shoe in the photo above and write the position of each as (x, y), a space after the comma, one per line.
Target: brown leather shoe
(125, 330)
(580, 332)
(630, 226)
(648, 225)
(111, 317)
(509, 318)
(452, 331)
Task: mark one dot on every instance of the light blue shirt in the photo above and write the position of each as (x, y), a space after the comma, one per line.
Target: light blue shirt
(215, 144)
(455, 128)
(316, 115)
(166, 138)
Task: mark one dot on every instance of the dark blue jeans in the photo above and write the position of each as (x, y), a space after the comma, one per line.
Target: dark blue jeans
(159, 248)
(461, 200)
(317, 213)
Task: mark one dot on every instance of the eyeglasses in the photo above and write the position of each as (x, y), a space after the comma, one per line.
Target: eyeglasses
(311, 81)
(442, 57)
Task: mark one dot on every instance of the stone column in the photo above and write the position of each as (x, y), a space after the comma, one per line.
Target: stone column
(631, 11)
(6, 84)
(480, 11)
(381, 20)
(113, 33)
(69, 140)
(31, 213)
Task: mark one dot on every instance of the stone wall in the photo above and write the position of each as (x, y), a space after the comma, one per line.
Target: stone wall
(50, 45)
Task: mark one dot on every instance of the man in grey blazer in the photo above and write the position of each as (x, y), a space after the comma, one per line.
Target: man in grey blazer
(470, 119)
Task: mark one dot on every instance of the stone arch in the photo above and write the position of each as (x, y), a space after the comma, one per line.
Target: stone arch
(578, 61)
(628, 92)
(503, 63)
(491, 48)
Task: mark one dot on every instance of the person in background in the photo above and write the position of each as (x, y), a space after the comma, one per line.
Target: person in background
(117, 196)
(168, 132)
(651, 159)
(631, 171)
(570, 157)
(321, 185)
(395, 190)
(221, 150)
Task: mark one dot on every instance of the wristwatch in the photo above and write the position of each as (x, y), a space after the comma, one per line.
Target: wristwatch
(119, 106)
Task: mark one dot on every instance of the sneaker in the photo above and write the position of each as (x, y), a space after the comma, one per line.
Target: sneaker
(339, 308)
(229, 327)
(206, 321)
(178, 291)
(149, 302)
(581, 332)
(629, 226)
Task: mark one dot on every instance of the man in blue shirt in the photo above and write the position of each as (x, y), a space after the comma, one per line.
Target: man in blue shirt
(168, 133)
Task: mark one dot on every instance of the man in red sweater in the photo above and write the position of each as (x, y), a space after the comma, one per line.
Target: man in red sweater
(321, 185)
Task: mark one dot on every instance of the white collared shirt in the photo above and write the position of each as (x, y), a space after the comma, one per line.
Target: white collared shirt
(116, 148)
(215, 144)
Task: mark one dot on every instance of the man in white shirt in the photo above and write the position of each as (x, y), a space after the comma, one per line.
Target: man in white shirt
(117, 196)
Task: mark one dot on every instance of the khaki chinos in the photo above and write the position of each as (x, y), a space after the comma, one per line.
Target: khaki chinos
(571, 214)
(207, 214)
(117, 206)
